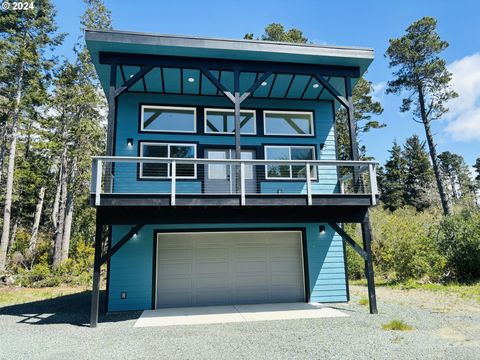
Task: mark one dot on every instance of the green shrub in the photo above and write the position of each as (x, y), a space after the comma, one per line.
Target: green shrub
(404, 245)
(459, 240)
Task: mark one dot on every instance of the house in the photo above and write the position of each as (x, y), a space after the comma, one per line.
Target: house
(221, 183)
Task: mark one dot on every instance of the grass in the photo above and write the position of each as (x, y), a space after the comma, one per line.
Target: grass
(12, 296)
(363, 301)
(397, 325)
(465, 291)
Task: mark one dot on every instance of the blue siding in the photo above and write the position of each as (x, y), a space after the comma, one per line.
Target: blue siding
(131, 267)
(128, 127)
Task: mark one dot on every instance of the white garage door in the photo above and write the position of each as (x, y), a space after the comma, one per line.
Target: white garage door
(214, 268)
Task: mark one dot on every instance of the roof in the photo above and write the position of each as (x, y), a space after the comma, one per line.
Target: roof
(128, 42)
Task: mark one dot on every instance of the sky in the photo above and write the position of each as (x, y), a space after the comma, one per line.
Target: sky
(364, 23)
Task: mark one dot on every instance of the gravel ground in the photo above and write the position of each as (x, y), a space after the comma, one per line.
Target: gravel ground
(444, 327)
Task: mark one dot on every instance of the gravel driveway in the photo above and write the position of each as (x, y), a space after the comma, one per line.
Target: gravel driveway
(444, 328)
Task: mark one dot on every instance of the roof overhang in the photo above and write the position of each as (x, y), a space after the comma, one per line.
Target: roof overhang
(124, 42)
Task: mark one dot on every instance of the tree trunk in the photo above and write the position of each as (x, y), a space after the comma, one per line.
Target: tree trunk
(3, 149)
(433, 155)
(7, 212)
(57, 255)
(56, 201)
(36, 220)
(14, 233)
(67, 227)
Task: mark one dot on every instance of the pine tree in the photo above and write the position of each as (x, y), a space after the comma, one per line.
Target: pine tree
(423, 76)
(419, 180)
(456, 174)
(394, 176)
(25, 35)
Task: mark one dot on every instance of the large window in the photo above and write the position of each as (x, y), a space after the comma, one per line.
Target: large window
(288, 123)
(168, 119)
(284, 171)
(222, 121)
(164, 171)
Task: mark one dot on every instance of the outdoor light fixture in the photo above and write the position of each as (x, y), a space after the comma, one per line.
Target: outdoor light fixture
(315, 86)
(322, 229)
(191, 80)
(135, 235)
(129, 142)
(264, 83)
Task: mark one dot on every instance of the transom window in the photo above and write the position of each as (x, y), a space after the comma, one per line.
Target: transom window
(164, 171)
(293, 123)
(281, 171)
(168, 119)
(222, 121)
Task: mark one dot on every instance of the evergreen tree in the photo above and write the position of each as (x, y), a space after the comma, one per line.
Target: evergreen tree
(423, 76)
(394, 176)
(276, 32)
(418, 190)
(24, 37)
(456, 174)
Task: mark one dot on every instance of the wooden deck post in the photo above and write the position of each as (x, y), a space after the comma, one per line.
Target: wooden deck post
(96, 272)
(367, 242)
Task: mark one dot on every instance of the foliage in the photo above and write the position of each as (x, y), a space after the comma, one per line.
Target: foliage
(363, 301)
(393, 183)
(398, 325)
(423, 76)
(419, 176)
(459, 241)
(276, 32)
(456, 175)
(404, 245)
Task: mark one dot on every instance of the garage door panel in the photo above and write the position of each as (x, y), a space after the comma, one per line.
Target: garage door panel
(195, 269)
(171, 269)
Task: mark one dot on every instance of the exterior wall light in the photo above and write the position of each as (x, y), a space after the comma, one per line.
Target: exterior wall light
(316, 86)
(129, 142)
(264, 83)
(135, 235)
(322, 229)
(191, 80)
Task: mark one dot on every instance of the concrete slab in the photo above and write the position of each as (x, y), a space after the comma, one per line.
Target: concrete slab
(235, 313)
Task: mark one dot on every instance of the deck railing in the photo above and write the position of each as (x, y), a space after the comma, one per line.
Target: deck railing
(174, 176)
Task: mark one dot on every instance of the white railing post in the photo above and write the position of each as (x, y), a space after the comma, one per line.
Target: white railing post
(373, 182)
(309, 184)
(173, 189)
(98, 182)
(242, 183)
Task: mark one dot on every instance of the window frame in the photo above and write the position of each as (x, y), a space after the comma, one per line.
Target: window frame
(167, 107)
(205, 127)
(312, 122)
(168, 144)
(289, 147)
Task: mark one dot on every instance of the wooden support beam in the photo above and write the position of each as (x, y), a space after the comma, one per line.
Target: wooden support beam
(218, 84)
(367, 240)
(255, 85)
(334, 92)
(349, 240)
(96, 271)
(140, 74)
(134, 230)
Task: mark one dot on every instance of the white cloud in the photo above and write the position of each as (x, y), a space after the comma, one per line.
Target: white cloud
(464, 115)
(378, 90)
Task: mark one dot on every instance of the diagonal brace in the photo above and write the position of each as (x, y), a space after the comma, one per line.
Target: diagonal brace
(218, 84)
(334, 92)
(122, 242)
(141, 73)
(255, 85)
(349, 240)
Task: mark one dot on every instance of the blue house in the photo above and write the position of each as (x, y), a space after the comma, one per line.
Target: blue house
(221, 182)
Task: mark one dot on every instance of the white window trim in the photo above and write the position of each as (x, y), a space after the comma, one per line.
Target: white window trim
(168, 164)
(310, 113)
(194, 109)
(233, 112)
(289, 147)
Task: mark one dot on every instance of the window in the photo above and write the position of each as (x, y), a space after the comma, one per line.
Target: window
(289, 153)
(288, 123)
(168, 119)
(154, 171)
(222, 121)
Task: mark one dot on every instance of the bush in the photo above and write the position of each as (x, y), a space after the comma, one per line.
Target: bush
(459, 240)
(355, 263)
(404, 245)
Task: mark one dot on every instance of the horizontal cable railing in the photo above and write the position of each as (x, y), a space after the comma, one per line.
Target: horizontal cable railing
(181, 176)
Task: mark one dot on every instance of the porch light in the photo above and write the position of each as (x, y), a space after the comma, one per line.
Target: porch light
(191, 80)
(264, 83)
(322, 229)
(135, 235)
(129, 142)
(316, 86)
